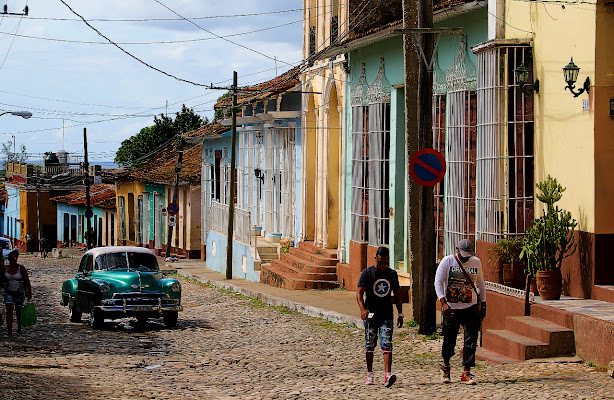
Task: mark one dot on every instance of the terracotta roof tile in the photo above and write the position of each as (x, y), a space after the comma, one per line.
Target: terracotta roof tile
(101, 196)
(265, 90)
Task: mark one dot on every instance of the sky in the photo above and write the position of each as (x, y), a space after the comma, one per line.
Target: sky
(70, 77)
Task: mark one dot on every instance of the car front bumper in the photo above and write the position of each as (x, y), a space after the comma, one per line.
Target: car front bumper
(123, 306)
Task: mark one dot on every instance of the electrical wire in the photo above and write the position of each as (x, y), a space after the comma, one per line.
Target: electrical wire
(150, 43)
(128, 53)
(216, 35)
(12, 41)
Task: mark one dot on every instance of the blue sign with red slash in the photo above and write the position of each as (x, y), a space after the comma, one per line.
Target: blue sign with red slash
(427, 167)
(173, 208)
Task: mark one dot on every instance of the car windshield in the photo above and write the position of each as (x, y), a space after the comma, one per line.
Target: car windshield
(5, 245)
(127, 260)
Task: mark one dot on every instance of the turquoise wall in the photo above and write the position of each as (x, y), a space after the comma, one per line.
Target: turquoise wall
(392, 52)
(475, 28)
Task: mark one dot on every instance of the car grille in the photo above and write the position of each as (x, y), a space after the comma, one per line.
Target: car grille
(140, 298)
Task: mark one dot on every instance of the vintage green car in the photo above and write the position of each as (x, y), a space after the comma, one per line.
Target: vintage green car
(119, 282)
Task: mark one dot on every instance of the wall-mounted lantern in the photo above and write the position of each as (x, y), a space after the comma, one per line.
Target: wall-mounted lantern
(570, 71)
(522, 77)
(259, 174)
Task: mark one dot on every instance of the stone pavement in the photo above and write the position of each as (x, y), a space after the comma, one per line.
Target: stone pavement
(337, 305)
(229, 346)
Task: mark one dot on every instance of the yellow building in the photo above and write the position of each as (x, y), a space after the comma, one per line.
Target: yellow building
(574, 139)
(324, 81)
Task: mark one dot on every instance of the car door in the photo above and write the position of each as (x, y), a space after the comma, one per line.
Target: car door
(84, 282)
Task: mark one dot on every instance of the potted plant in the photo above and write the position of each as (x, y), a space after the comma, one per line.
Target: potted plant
(549, 241)
(507, 253)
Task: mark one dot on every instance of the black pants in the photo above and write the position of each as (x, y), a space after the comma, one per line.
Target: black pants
(469, 318)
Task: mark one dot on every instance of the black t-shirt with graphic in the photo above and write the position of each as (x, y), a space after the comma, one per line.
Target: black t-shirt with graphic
(379, 287)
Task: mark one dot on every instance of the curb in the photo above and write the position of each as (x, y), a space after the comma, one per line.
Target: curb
(305, 309)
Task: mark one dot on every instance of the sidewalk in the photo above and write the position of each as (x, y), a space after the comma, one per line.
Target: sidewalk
(337, 305)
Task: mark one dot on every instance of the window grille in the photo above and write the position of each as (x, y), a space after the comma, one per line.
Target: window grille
(370, 212)
(121, 211)
(439, 141)
(270, 168)
(138, 221)
(158, 232)
(146, 218)
(288, 179)
(206, 193)
(312, 40)
(334, 29)
(505, 154)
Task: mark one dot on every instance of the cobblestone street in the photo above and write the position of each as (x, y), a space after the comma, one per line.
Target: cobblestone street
(228, 346)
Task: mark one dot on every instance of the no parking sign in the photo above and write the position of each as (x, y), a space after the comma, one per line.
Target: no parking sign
(427, 167)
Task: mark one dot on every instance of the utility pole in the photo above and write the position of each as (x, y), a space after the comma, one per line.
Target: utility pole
(39, 203)
(231, 205)
(88, 209)
(175, 192)
(411, 65)
(418, 117)
(426, 215)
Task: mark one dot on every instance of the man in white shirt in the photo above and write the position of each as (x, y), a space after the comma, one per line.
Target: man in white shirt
(459, 284)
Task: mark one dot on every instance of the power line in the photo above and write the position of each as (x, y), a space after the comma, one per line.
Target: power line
(150, 43)
(128, 53)
(216, 35)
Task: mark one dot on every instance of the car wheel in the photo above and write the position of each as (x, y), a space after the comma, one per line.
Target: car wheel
(96, 318)
(170, 318)
(74, 315)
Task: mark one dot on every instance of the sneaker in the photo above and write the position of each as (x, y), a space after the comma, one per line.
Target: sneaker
(445, 374)
(369, 380)
(467, 378)
(389, 379)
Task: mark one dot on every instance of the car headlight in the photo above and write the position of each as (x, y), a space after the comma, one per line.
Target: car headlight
(104, 288)
(175, 287)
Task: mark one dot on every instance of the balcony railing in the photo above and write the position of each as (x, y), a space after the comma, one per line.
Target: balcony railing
(218, 216)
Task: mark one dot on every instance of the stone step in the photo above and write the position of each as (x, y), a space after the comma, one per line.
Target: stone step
(271, 276)
(559, 338)
(511, 344)
(313, 258)
(489, 355)
(313, 274)
(294, 258)
(604, 293)
(312, 248)
(520, 347)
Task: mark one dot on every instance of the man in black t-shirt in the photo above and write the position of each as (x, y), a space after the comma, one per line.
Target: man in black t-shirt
(378, 282)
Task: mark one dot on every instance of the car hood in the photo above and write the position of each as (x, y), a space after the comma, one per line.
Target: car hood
(131, 281)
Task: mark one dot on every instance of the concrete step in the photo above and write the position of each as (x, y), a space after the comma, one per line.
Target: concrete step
(312, 248)
(271, 276)
(290, 270)
(312, 258)
(307, 266)
(489, 355)
(604, 293)
(559, 338)
(512, 345)
(267, 250)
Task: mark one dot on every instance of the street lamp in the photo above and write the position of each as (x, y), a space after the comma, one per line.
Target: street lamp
(570, 71)
(522, 77)
(22, 114)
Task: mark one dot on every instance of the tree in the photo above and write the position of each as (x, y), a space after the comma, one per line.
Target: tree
(13, 157)
(141, 146)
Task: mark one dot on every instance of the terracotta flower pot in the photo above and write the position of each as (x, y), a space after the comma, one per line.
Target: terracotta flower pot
(513, 275)
(533, 287)
(549, 284)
